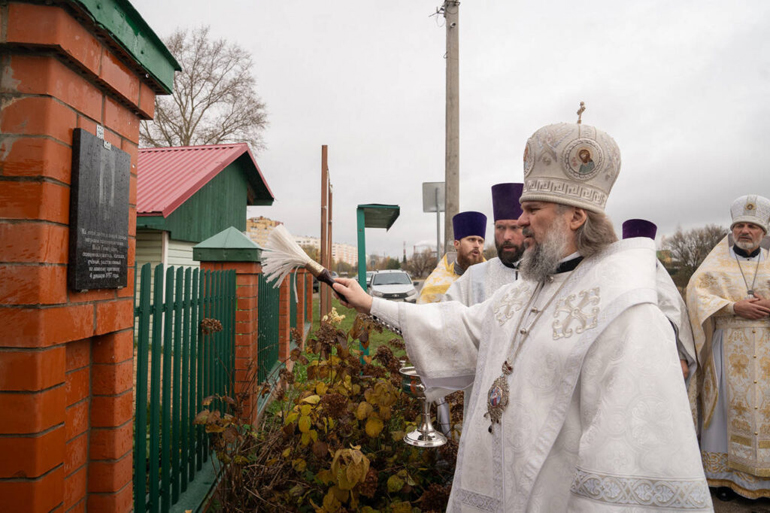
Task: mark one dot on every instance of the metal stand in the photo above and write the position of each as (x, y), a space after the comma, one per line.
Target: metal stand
(425, 435)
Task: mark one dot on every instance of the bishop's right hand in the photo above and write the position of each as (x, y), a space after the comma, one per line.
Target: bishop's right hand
(755, 308)
(355, 295)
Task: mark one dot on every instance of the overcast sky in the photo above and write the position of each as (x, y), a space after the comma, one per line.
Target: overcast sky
(683, 87)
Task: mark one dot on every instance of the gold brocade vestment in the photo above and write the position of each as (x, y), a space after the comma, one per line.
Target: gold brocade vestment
(713, 289)
(438, 282)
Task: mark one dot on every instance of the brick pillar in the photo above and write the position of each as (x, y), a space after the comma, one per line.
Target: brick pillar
(284, 321)
(66, 357)
(232, 250)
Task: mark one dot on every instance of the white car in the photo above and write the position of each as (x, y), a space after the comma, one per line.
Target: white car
(393, 285)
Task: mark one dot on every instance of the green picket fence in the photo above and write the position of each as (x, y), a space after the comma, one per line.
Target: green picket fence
(268, 301)
(178, 364)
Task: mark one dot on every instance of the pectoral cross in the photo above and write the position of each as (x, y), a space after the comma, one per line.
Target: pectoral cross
(580, 112)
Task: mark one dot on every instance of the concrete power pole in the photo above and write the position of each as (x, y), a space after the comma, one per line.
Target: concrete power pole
(451, 10)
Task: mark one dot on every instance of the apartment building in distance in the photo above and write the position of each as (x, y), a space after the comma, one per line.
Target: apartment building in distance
(345, 253)
(258, 229)
(340, 252)
(313, 242)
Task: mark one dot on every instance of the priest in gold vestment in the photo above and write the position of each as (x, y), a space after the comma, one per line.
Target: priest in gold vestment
(727, 299)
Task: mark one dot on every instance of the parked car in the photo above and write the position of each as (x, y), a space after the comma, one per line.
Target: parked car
(369, 275)
(393, 285)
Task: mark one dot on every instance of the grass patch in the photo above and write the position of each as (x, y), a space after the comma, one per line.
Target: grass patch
(377, 339)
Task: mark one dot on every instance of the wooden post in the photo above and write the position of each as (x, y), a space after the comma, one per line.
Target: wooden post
(329, 243)
(324, 307)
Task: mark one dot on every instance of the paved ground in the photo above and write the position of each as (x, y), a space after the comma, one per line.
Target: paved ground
(741, 505)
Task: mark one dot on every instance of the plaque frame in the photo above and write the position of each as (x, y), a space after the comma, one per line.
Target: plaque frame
(99, 211)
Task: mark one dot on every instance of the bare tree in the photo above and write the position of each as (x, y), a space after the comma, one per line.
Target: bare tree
(422, 263)
(214, 100)
(490, 251)
(689, 249)
(344, 268)
(311, 251)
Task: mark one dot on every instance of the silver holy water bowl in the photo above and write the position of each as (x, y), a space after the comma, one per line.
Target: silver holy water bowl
(424, 435)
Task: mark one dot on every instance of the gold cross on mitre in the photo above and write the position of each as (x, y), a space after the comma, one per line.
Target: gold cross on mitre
(580, 112)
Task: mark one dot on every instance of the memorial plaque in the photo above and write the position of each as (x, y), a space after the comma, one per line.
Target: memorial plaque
(98, 255)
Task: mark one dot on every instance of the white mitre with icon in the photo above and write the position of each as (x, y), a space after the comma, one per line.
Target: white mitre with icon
(751, 209)
(572, 164)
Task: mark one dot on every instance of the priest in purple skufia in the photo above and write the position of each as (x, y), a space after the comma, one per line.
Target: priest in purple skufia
(639, 228)
(670, 300)
(482, 280)
(470, 230)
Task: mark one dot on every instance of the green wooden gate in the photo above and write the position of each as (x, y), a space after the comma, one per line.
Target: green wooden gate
(181, 358)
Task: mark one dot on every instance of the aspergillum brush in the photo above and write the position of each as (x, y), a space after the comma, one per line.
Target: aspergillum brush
(282, 255)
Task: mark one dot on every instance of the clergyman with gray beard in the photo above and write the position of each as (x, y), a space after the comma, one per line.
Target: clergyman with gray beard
(578, 400)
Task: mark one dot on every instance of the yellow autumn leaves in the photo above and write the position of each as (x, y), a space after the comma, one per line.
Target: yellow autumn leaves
(374, 411)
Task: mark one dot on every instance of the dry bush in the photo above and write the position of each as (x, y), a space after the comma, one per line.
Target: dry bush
(334, 442)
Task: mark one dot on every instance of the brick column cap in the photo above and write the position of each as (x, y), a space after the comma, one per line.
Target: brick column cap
(229, 245)
(125, 25)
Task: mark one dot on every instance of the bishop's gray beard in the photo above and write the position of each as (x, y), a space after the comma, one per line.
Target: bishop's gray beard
(746, 246)
(542, 260)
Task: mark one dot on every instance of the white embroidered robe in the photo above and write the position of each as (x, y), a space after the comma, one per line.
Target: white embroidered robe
(477, 285)
(480, 281)
(672, 305)
(598, 418)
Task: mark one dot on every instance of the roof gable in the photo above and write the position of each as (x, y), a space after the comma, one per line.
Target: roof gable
(167, 177)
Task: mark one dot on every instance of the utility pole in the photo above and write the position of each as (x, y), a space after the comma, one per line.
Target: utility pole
(451, 11)
(329, 244)
(322, 251)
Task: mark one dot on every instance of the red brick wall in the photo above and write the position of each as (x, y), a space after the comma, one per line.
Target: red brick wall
(66, 358)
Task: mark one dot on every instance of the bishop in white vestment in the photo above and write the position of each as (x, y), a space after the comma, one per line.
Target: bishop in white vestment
(578, 403)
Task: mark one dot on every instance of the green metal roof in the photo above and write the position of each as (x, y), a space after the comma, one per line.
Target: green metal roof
(229, 245)
(379, 216)
(128, 28)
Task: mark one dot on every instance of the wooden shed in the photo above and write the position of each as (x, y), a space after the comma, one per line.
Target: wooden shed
(187, 194)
